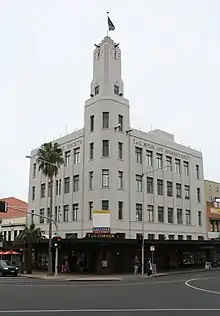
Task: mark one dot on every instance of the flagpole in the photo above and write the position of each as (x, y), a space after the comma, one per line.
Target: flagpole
(107, 22)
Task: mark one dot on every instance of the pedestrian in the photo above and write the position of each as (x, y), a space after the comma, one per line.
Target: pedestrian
(149, 268)
(136, 265)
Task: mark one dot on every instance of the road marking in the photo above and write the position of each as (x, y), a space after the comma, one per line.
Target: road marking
(187, 283)
(95, 285)
(122, 310)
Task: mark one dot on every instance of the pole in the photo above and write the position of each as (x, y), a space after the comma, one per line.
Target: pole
(107, 22)
(56, 261)
(142, 248)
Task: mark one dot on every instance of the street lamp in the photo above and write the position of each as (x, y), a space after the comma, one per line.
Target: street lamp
(50, 220)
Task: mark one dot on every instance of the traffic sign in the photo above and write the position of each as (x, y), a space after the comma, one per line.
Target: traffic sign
(152, 248)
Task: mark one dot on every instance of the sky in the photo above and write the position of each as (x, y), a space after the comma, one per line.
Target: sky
(170, 69)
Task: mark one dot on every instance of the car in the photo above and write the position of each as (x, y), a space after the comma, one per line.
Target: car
(7, 268)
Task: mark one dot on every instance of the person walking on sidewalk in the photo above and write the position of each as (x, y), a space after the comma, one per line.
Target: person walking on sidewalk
(149, 268)
(136, 265)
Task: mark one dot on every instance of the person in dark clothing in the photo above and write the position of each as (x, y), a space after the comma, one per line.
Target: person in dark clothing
(136, 265)
(149, 268)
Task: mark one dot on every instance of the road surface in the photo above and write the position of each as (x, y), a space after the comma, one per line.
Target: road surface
(183, 294)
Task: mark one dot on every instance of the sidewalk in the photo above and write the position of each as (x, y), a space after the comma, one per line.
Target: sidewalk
(79, 277)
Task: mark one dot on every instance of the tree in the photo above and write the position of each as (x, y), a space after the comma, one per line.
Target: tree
(29, 236)
(50, 159)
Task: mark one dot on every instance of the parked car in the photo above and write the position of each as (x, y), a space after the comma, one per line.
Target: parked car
(6, 268)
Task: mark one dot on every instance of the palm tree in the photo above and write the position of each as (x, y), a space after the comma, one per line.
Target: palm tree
(50, 159)
(29, 236)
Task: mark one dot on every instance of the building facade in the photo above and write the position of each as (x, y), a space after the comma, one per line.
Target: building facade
(14, 221)
(212, 191)
(149, 182)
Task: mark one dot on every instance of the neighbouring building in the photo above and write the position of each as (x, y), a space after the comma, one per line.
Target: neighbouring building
(111, 166)
(14, 221)
(212, 197)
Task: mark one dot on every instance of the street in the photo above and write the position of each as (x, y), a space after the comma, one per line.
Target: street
(182, 294)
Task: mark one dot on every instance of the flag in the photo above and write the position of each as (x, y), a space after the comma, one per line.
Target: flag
(111, 26)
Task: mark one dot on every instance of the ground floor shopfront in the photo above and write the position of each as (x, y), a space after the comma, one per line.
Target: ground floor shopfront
(112, 256)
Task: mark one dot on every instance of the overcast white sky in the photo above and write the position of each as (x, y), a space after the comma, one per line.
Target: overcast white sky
(171, 51)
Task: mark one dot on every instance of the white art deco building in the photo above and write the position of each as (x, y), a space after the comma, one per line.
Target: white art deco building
(111, 166)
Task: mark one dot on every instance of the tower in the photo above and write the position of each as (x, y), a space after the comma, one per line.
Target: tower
(106, 119)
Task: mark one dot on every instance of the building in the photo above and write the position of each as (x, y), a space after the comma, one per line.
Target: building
(14, 221)
(212, 196)
(111, 166)
(212, 191)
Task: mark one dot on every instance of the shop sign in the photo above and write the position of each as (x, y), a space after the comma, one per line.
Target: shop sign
(102, 236)
(160, 149)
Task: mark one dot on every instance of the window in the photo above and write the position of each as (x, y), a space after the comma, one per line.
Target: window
(42, 216)
(76, 155)
(161, 237)
(200, 218)
(90, 209)
(198, 195)
(188, 217)
(32, 216)
(105, 178)
(186, 168)
(57, 187)
(96, 90)
(105, 148)
(159, 158)
(9, 236)
(42, 190)
(168, 163)
(138, 212)
(75, 211)
(92, 121)
(188, 237)
(139, 183)
(178, 190)
(67, 156)
(120, 150)
(91, 151)
(149, 158)
(138, 154)
(187, 192)
(179, 216)
(76, 183)
(105, 119)
(120, 210)
(120, 122)
(49, 190)
(91, 176)
(177, 165)
(33, 193)
(120, 179)
(169, 188)
(5, 234)
(116, 89)
(159, 187)
(180, 237)
(170, 215)
(171, 237)
(160, 214)
(65, 213)
(150, 185)
(150, 211)
(15, 234)
(66, 185)
(197, 171)
(57, 213)
(105, 205)
(34, 170)
(150, 236)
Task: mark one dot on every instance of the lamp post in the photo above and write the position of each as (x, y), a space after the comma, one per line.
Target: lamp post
(50, 222)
